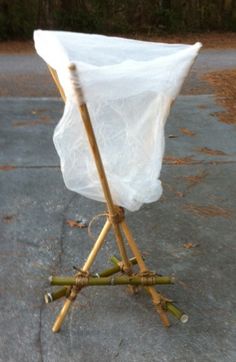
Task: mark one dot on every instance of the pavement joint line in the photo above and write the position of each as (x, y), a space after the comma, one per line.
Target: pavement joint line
(54, 99)
(213, 162)
(32, 167)
(58, 99)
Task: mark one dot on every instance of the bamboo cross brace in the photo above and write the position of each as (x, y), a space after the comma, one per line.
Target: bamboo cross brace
(51, 297)
(119, 280)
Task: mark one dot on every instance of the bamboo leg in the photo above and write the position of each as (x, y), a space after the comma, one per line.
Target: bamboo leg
(58, 84)
(122, 250)
(156, 297)
(97, 246)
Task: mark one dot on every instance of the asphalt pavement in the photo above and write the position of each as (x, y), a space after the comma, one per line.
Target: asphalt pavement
(189, 233)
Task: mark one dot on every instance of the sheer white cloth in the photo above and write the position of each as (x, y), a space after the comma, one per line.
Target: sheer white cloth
(129, 87)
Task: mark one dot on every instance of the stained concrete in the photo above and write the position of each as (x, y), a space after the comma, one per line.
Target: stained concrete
(27, 74)
(108, 324)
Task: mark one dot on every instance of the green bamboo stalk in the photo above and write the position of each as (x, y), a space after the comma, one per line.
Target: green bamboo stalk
(117, 262)
(51, 297)
(115, 269)
(178, 313)
(114, 260)
(120, 280)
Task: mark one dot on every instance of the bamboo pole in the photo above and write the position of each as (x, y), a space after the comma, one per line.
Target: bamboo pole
(51, 297)
(121, 247)
(112, 280)
(156, 296)
(57, 82)
(178, 313)
(82, 107)
(97, 246)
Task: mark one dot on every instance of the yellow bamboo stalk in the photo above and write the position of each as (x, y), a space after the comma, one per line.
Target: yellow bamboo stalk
(83, 109)
(97, 246)
(57, 82)
(156, 296)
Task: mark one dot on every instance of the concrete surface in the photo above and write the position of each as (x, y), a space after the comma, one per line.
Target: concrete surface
(27, 74)
(107, 324)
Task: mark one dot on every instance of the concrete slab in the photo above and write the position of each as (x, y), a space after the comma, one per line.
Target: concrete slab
(108, 324)
(27, 74)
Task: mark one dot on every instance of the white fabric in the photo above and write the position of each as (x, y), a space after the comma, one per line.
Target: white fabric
(129, 86)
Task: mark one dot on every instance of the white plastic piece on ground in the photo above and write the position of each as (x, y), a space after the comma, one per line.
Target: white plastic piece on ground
(129, 87)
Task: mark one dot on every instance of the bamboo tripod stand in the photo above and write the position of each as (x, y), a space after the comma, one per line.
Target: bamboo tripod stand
(115, 221)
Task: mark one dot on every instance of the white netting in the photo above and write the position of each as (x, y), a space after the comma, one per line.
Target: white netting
(129, 86)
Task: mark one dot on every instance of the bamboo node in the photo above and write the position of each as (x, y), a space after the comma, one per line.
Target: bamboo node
(147, 277)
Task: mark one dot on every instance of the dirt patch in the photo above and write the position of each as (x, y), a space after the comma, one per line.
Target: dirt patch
(7, 167)
(170, 160)
(195, 179)
(42, 120)
(8, 219)
(190, 245)
(224, 84)
(187, 132)
(76, 224)
(209, 151)
(16, 47)
(208, 210)
(209, 40)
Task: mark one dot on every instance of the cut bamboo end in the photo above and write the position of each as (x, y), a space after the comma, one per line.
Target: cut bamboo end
(72, 67)
(184, 318)
(57, 294)
(118, 263)
(48, 298)
(58, 323)
(177, 313)
(114, 260)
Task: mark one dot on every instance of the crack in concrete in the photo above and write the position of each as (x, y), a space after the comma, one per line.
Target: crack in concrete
(57, 265)
(12, 167)
(62, 232)
(40, 333)
(197, 162)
